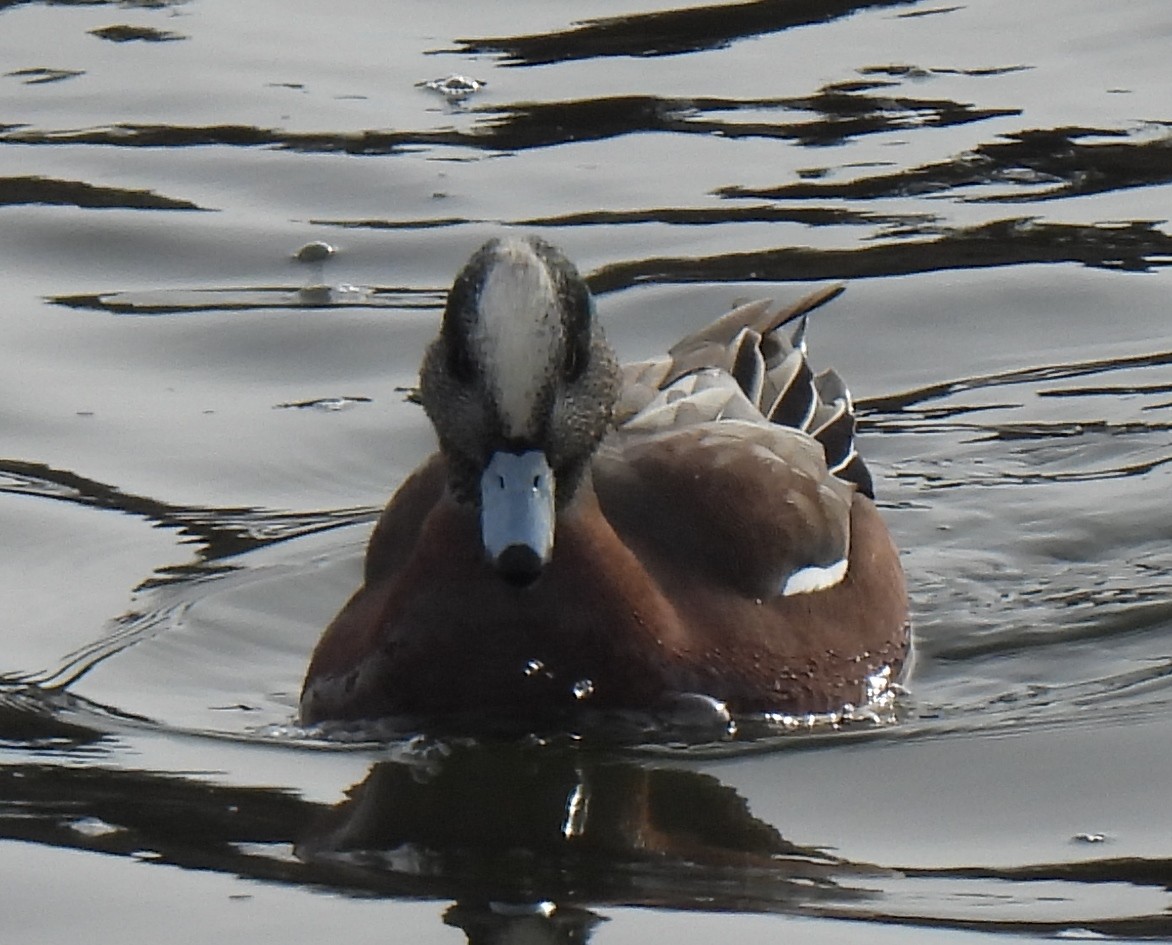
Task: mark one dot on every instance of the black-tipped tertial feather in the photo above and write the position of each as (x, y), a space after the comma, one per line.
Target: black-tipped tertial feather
(771, 374)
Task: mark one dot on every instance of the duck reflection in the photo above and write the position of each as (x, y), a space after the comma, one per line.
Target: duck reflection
(545, 924)
(526, 841)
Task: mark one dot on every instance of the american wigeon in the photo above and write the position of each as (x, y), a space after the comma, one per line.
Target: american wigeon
(617, 537)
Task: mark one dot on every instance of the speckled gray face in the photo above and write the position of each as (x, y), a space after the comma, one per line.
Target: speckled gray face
(520, 367)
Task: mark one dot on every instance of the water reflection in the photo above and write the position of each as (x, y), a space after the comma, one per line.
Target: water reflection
(253, 298)
(136, 34)
(555, 925)
(915, 244)
(1137, 246)
(510, 827)
(145, 4)
(667, 32)
(520, 838)
(76, 193)
(1037, 164)
(842, 112)
(529, 843)
(41, 76)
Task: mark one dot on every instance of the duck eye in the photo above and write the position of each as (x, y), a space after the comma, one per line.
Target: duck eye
(460, 365)
(577, 356)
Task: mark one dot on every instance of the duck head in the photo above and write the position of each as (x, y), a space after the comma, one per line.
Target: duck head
(521, 388)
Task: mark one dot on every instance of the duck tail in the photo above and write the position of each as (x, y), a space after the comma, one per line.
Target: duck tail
(789, 393)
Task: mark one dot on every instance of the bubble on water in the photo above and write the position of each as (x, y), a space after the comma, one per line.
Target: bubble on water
(453, 87)
(316, 252)
(695, 710)
(94, 827)
(583, 689)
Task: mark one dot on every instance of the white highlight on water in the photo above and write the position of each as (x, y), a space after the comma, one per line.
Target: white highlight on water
(577, 803)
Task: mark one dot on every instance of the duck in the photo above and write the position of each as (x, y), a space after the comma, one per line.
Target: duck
(588, 534)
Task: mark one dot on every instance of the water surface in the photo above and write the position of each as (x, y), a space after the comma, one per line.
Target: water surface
(199, 430)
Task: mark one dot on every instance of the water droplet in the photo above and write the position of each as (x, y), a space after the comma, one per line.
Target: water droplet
(453, 87)
(94, 827)
(583, 689)
(533, 667)
(576, 805)
(315, 252)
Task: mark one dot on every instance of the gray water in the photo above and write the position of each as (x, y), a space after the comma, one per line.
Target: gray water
(198, 430)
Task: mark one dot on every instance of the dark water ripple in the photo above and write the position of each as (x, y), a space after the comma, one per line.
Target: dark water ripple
(123, 33)
(667, 32)
(218, 534)
(672, 216)
(121, 633)
(846, 113)
(254, 298)
(1136, 247)
(128, 4)
(1065, 606)
(894, 403)
(42, 77)
(74, 193)
(1038, 164)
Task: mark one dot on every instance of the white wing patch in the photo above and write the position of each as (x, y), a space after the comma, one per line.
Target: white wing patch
(814, 578)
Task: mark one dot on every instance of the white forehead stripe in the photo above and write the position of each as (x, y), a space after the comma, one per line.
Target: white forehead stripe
(814, 578)
(517, 333)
